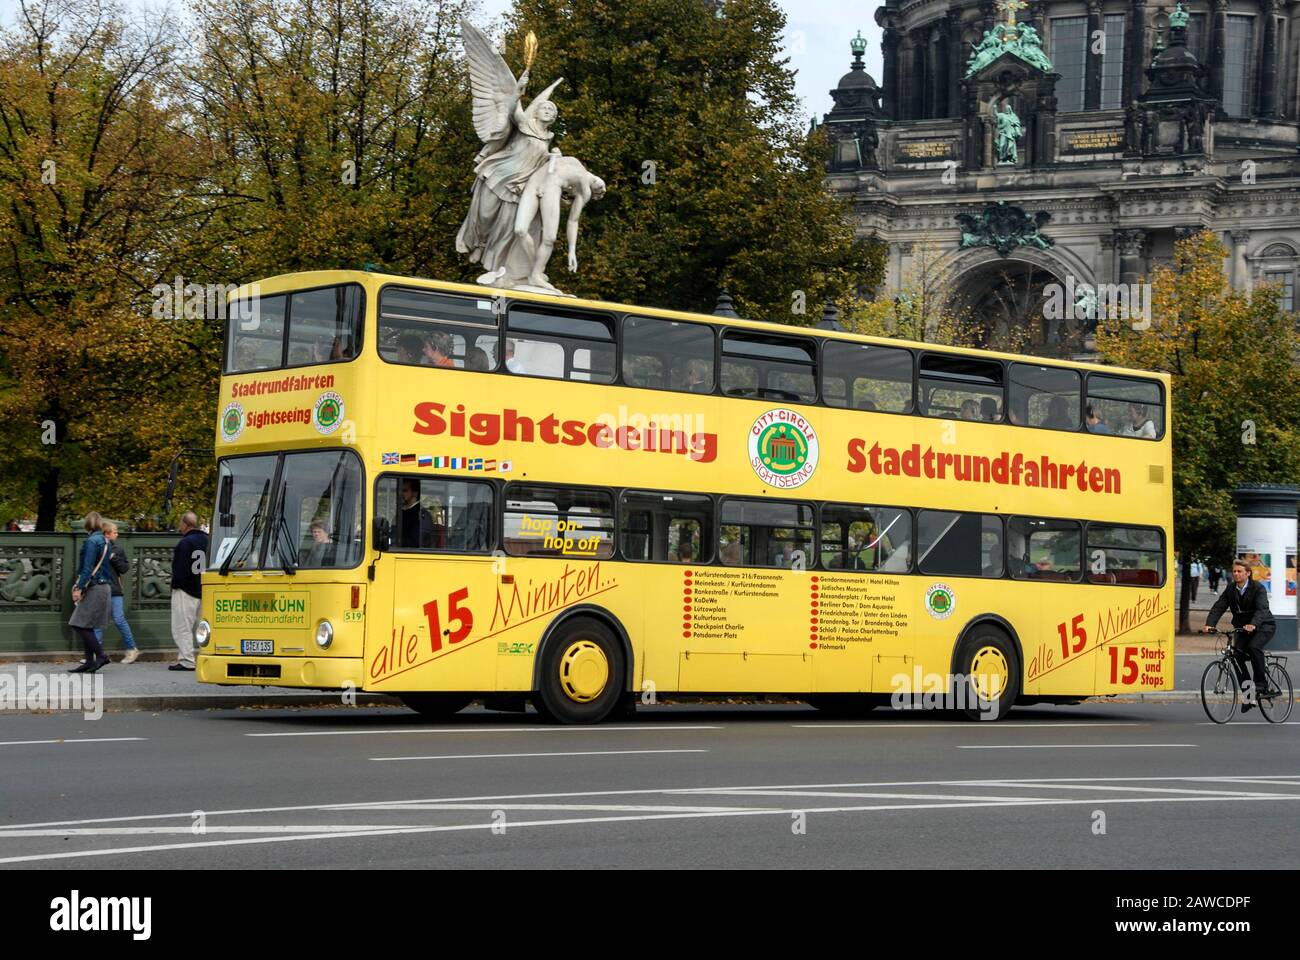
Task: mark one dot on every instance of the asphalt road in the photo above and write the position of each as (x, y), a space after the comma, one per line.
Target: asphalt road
(677, 786)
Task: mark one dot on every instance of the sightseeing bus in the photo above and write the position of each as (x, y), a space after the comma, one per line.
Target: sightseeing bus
(446, 492)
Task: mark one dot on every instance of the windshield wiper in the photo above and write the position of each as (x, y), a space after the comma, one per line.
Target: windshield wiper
(224, 569)
(280, 532)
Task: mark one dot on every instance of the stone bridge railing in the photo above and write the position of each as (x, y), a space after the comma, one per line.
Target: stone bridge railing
(37, 571)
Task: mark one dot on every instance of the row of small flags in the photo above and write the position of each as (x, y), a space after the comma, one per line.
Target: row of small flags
(448, 463)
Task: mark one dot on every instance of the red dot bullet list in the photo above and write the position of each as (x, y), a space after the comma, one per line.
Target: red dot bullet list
(686, 604)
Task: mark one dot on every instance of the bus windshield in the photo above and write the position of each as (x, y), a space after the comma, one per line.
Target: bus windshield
(294, 511)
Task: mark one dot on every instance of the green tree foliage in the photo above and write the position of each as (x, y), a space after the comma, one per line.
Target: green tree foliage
(1236, 396)
(98, 202)
(340, 131)
(690, 118)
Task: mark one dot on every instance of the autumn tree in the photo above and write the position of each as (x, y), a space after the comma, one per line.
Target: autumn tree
(100, 200)
(1236, 395)
(341, 131)
(687, 111)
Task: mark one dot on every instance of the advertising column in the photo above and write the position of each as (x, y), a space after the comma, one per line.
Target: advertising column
(1266, 538)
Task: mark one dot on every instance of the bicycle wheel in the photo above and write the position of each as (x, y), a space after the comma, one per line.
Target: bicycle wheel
(1277, 709)
(1219, 691)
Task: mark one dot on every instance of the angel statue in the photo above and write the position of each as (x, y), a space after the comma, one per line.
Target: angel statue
(516, 147)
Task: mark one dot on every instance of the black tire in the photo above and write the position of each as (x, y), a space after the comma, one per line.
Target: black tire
(1220, 692)
(984, 650)
(845, 705)
(570, 689)
(436, 706)
(1278, 709)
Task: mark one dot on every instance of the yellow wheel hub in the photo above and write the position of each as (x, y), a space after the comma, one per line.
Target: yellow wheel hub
(584, 671)
(989, 673)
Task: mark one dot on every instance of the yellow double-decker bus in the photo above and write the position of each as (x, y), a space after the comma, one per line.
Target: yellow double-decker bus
(445, 492)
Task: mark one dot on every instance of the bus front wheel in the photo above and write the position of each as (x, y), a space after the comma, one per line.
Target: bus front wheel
(435, 706)
(990, 672)
(581, 673)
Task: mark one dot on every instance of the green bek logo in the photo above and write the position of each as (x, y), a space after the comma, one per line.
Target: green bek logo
(783, 447)
(232, 421)
(939, 601)
(328, 413)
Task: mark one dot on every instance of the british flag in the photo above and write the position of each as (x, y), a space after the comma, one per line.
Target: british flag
(388, 458)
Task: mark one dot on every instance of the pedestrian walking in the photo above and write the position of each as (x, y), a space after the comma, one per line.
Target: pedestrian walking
(188, 560)
(1215, 575)
(92, 595)
(1196, 578)
(119, 563)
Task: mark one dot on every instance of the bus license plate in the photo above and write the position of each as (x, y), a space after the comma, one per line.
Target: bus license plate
(258, 646)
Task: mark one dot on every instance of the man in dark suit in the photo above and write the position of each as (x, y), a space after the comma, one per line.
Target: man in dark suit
(1248, 601)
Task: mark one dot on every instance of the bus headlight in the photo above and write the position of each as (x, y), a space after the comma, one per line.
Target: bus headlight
(324, 634)
(203, 633)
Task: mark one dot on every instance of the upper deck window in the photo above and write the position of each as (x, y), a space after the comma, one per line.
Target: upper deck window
(667, 355)
(425, 328)
(1044, 396)
(960, 388)
(565, 346)
(866, 377)
(1126, 407)
(295, 329)
(767, 367)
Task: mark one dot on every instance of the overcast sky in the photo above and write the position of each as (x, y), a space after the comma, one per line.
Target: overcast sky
(817, 40)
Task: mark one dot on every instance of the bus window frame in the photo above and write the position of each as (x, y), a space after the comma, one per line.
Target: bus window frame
(714, 330)
(495, 526)
(911, 548)
(1082, 406)
(720, 505)
(615, 514)
(1164, 402)
(454, 295)
(805, 342)
(284, 335)
(1080, 577)
(1164, 552)
(714, 507)
(610, 319)
(823, 342)
(1001, 519)
(1003, 419)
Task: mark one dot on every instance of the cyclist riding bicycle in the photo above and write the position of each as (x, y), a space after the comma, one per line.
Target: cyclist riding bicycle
(1248, 601)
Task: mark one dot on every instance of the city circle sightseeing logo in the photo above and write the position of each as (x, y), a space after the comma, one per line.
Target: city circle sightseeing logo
(783, 448)
(232, 421)
(328, 413)
(939, 600)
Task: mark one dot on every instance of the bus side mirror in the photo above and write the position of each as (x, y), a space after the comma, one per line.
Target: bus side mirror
(383, 534)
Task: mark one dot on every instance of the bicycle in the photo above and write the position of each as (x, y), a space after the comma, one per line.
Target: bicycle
(1221, 691)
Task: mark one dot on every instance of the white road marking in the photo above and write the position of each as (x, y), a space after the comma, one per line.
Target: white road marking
(501, 756)
(1068, 746)
(23, 743)
(954, 725)
(1283, 779)
(467, 729)
(575, 821)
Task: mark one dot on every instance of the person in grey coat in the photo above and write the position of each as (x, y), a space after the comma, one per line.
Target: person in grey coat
(93, 595)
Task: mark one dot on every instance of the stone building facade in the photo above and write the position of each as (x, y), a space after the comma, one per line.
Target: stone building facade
(1137, 123)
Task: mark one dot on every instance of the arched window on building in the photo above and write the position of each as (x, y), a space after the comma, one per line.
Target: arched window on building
(1277, 264)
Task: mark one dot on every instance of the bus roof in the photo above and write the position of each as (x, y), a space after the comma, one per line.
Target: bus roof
(285, 282)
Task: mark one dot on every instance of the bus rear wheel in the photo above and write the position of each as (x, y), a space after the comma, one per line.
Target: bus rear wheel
(988, 663)
(436, 706)
(581, 673)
